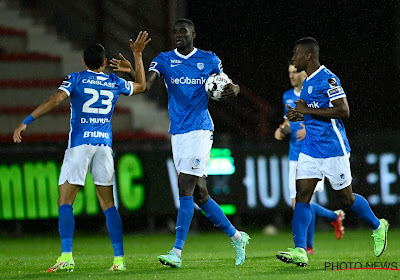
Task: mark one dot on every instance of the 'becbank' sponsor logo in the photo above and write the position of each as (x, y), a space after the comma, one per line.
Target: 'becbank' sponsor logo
(188, 81)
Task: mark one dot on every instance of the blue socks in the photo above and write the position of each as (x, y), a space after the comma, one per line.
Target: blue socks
(66, 227)
(215, 214)
(114, 226)
(311, 228)
(363, 210)
(185, 215)
(323, 212)
(301, 221)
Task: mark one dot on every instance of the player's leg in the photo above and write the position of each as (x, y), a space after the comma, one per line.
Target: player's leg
(310, 232)
(186, 183)
(72, 176)
(340, 179)
(102, 170)
(215, 214)
(307, 176)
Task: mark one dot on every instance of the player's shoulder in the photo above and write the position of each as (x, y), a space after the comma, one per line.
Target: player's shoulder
(206, 54)
(325, 78)
(288, 92)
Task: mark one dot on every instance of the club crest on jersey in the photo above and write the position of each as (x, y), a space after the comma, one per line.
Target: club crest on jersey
(200, 65)
(196, 162)
(310, 89)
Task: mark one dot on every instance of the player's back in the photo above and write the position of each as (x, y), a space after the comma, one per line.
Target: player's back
(325, 137)
(93, 97)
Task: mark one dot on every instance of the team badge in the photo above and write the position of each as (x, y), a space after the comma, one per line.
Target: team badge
(309, 89)
(200, 65)
(341, 176)
(196, 162)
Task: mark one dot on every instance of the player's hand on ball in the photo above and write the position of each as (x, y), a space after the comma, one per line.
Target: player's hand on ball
(17, 133)
(230, 90)
(120, 65)
(140, 43)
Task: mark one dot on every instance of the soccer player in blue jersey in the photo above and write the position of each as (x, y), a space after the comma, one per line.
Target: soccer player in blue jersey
(325, 151)
(297, 133)
(185, 70)
(93, 97)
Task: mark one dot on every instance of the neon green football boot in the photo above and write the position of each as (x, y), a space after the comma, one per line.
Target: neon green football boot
(171, 259)
(380, 238)
(119, 264)
(297, 256)
(64, 262)
(240, 248)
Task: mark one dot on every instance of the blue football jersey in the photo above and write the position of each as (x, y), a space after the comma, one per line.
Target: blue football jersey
(325, 137)
(184, 77)
(93, 96)
(289, 97)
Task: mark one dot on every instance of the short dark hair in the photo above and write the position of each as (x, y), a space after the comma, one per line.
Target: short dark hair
(311, 44)
(94, 56)
(187, 21)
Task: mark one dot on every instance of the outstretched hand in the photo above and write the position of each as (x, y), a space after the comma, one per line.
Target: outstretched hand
(17, 133)
(120, 65)
(230, 90)
(140, 43)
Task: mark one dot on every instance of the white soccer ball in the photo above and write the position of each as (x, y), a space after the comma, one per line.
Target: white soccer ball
(215, 84)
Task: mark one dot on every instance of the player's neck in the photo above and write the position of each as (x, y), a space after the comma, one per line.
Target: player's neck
(297, 89)
(185, 51)
(312, 67)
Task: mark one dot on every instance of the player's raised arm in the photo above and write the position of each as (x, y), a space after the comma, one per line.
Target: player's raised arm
(48, 105)
(137, 48)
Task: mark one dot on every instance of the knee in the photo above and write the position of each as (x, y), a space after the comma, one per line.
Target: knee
(347, 200)
(201, 198)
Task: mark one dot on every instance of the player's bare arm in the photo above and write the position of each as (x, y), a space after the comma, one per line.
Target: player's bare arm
(340, 109)
(48, 105)
(301, 133)
(282, 130)
(137, 48)
(230, 90)
(293, 115)
(122, 65)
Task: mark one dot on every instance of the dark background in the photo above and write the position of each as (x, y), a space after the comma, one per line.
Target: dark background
(254, 40)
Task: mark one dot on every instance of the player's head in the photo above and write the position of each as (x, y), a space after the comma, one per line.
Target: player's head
(296, 78)
(184, 33)
(94, 57)
(305, 50)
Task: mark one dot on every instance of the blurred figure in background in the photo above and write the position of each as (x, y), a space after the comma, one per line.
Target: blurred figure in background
(297, 133)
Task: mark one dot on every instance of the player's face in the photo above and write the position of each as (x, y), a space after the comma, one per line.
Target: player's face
(299, 58)
(184, 35)
(296, 78)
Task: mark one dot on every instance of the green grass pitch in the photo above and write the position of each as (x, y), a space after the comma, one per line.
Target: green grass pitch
(206, 256)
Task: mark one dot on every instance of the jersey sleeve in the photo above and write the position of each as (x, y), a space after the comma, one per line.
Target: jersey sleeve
(157, 65)
(69, 83)
(333, 88)
(217, 64)
(125, 87)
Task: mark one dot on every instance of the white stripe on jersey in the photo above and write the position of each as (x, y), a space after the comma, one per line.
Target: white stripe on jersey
(333, 121)
(70, 130)
(65, 90)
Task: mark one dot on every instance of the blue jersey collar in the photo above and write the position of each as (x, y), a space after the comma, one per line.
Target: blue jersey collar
(185, 56)
(315, 72)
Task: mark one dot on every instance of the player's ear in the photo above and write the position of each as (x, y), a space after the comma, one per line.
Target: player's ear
(104, 62)
(193, 34)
